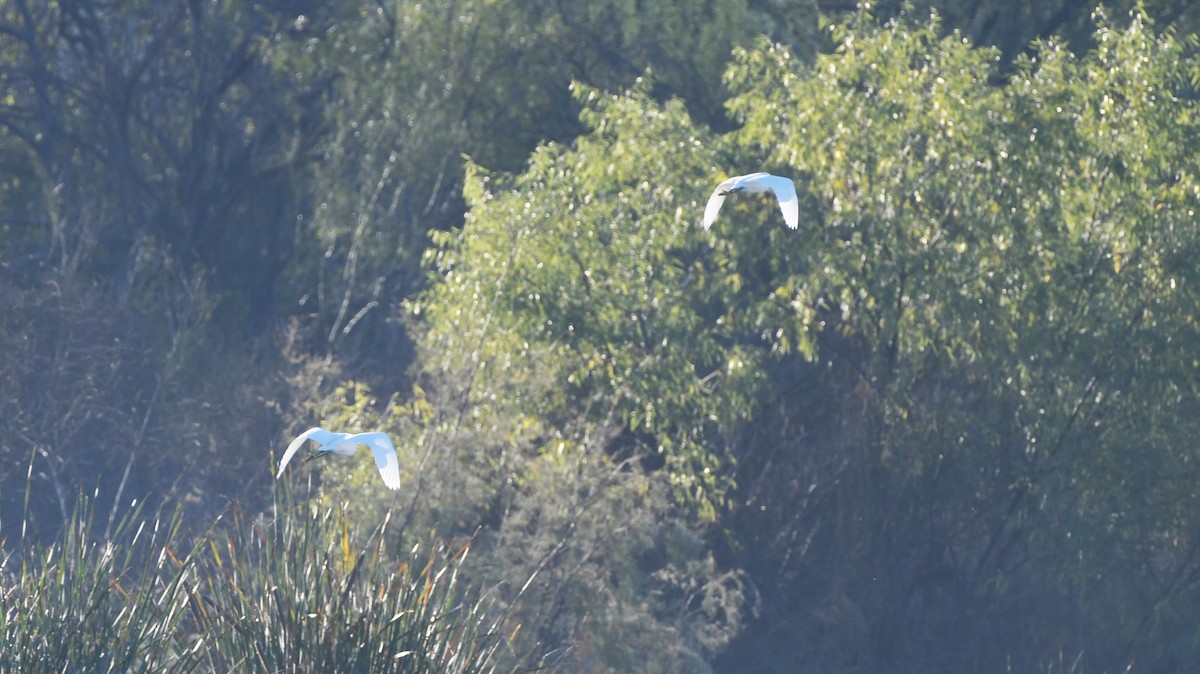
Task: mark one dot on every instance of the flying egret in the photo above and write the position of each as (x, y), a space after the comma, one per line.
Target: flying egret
(784, 189)
(346, 444)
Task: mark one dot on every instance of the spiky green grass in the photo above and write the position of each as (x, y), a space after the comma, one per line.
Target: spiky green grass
(297, 595)
(304, 592)
(83, 604)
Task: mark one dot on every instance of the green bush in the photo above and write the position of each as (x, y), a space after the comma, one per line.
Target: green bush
(97, 603)
(302, 592)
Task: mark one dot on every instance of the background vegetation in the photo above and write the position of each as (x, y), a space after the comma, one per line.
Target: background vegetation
(948, 425)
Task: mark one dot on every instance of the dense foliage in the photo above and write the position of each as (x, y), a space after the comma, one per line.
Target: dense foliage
(998, 280)
(305, 591)
(961, 390)
(946, 425)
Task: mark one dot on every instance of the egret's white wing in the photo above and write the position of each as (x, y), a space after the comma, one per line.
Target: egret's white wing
(785, 192)
(715, 201)
(385, 457)
(315, 433)
(711, 209)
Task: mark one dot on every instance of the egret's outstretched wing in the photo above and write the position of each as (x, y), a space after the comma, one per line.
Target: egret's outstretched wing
(385, 457)
(315, 433)
(785, 192)
(715, 201)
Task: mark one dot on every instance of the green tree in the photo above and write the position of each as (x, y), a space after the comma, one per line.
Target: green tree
(571, 280)
(994, 278)
(415, 86)
(148, 220)
(1012, 26)
(158, 138)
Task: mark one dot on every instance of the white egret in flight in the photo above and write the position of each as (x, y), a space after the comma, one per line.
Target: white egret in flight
(346, 444)
(784, 189)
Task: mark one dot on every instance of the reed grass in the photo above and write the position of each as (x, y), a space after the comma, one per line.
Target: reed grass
(86, 604)
(297, 595)
(306, 591)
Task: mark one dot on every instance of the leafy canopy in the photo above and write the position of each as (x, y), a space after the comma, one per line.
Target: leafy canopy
(990, 293)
